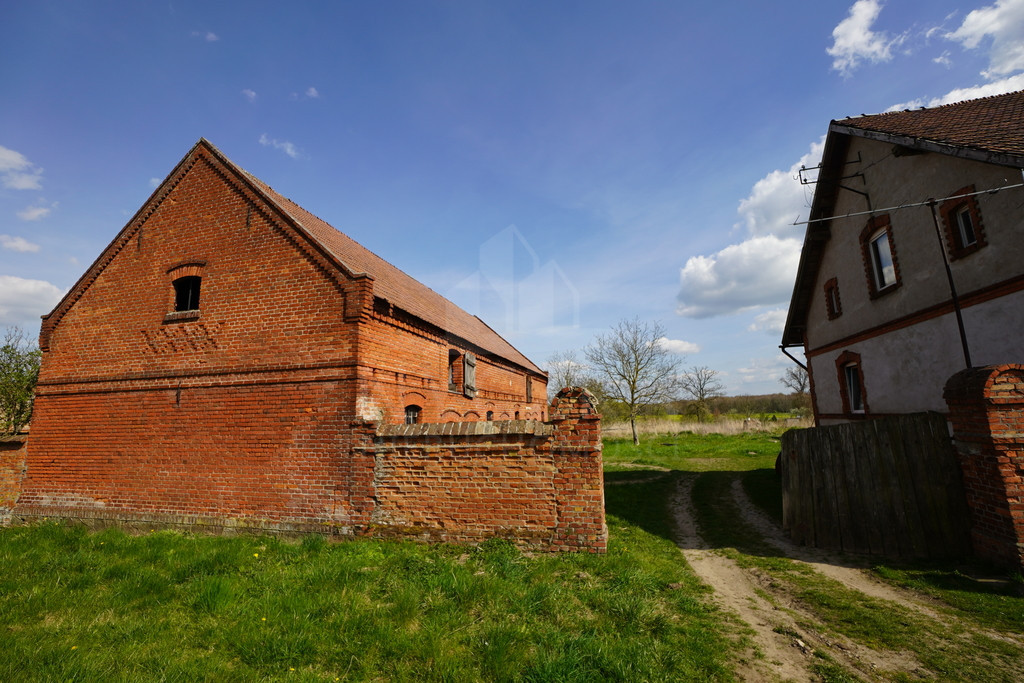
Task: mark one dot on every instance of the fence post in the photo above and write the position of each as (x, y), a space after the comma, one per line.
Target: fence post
(986, 408)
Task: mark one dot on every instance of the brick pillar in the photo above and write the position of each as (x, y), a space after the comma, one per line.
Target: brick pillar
(576, 451)
(986, 408)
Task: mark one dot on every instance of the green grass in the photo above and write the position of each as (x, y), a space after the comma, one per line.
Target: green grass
(689, 452)
(107, 606)
(81, 606)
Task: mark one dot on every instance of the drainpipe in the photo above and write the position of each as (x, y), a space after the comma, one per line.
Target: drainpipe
(952, 287)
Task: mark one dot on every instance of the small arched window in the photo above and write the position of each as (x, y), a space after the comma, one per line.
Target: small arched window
(412, 415)
(186, 293)
(490, 415)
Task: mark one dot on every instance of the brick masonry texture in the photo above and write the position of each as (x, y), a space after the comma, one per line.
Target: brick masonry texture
(986, 408)
(272, 404)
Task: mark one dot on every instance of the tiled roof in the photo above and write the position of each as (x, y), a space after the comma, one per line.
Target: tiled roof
(993, 124)
(391, 283)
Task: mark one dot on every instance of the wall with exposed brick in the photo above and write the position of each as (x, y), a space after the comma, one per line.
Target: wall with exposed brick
(986, 409)
(12, 469)
(405, 362)
(255, 408)
(538, 483)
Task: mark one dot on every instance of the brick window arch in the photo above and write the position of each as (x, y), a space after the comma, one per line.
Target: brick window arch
(878, 250)
(412, 414)
(851, 384)
(186, 288)
(963, 227)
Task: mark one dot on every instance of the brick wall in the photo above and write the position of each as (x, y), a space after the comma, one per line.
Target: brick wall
(12, 469)
(252, 410)
(986, 409)
(538, 483)
(404, 362)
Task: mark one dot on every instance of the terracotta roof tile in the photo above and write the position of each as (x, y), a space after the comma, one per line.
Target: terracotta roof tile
(993, 124)
(393, 284)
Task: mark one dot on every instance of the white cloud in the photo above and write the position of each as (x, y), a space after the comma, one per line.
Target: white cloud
(22, 301)
(678, 346)
(944, 59)
(758, 272)
(17, 244)
(312, 92)
(286, 147)
(759, 370)
(776, 200)
(1003, 22)
(1000, 87)
(854, 41)
(208, 36)
(17, 172)
(34, 213)
(771, 322)
(155, 182)
(249, 94)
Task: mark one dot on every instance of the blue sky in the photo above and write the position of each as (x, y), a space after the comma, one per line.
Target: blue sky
(554, 167)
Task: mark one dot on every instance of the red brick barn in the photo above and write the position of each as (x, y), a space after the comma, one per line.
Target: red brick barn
(228, 357)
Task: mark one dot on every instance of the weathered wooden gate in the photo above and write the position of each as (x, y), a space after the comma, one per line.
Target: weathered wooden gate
(890, 487)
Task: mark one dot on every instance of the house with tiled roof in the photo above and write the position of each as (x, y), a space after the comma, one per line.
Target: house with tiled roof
(912, 266)
(229, 359)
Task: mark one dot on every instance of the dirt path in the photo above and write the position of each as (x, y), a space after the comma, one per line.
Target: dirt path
(783, 644)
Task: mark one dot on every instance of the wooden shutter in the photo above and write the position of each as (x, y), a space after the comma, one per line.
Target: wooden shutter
(469, 375)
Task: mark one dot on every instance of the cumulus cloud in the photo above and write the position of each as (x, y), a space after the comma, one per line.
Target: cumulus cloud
(853, 41)
(285, 146)
(17, 172)
(758, 272)
(678, 346)
(22, 301)
(312, 92)
(249, 94)
(775, 201)
(1003, 22)
(208, 36)
(771, 322)
(17, 244)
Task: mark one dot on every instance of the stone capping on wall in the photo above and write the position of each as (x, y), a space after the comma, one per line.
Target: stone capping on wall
(494, 428)
(986, 409)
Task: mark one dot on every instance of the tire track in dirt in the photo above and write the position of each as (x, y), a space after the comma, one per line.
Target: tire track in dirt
(848, 571)
(736, 593)
(786, 649)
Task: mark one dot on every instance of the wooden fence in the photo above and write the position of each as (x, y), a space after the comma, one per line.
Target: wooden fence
(888, 487)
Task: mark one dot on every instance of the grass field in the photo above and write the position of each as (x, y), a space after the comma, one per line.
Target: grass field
(107, 606)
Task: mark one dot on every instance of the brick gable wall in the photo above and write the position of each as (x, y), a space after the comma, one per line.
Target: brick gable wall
(252, 412)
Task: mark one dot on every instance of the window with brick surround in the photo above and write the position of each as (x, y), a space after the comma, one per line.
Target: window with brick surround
(412, 415)
(833, 305)
(186, 284)
(961, 218)
(186, 293)
(879, 253)
(851, 383)
(454, 370)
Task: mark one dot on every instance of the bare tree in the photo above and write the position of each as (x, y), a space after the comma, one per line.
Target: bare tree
(566, 370)
(634, 367)
(19, 371)
(796, 379)
(701, 384)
